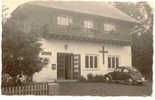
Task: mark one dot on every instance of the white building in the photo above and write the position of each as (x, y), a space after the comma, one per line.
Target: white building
(79, 38)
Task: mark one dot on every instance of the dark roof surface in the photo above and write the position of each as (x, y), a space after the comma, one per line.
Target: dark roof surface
(95, 8)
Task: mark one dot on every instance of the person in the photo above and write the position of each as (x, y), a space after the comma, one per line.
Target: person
(18, 81)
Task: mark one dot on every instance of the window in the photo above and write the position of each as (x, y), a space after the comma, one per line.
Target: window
(113, 61)
(109, 62)
(95, 61)
(117, 61)
(125, 70)
(61, 20)
(87, 61)
(91, 61)
(118, 70)
(109, 27)
(88, 24)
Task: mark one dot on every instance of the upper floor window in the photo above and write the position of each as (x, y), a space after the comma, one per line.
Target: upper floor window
(109, 27)
(64, 20)
(88, 24)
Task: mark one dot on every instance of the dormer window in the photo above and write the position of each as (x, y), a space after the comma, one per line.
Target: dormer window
(88, 24)
(64, 20)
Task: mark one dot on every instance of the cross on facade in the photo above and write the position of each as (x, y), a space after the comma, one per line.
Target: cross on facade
(102, 51)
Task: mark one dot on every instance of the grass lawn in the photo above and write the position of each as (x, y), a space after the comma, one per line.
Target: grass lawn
(104, 89)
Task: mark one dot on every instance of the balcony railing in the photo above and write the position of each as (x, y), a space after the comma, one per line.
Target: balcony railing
(91, 34)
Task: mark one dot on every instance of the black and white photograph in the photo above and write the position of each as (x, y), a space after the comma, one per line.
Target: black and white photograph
(77, 48)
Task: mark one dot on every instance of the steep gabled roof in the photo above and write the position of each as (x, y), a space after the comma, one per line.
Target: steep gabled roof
(95, 8)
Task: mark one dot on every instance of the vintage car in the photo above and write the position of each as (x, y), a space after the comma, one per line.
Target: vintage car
(124, 74)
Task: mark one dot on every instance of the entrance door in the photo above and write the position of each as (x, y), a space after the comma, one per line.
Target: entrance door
(68, 66)
(61, 66)
(64, 66)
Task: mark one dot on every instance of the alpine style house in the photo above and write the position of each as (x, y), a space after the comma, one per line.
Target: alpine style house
(79, 38)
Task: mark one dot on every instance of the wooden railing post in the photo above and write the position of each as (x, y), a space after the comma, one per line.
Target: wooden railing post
(53, 88)
(31, 89)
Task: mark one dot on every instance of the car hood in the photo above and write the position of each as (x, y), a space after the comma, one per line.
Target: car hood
(136, 75)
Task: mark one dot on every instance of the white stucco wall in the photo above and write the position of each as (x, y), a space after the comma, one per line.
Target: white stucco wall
(82, 48)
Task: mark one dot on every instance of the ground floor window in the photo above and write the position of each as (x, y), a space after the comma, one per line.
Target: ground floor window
(113, 61)
(91, 61)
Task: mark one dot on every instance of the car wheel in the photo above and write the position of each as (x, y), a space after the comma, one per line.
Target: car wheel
(140, 84)
(107, 79)
(130, 81)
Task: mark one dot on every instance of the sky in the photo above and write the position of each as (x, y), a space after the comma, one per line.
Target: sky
(13, 4)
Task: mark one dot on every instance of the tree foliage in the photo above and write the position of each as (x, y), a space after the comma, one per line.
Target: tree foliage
(142, 35)
(20, 51)
(5, 11)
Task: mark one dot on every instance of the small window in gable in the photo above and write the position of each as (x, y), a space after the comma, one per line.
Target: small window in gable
(109, 27)
(64, 20)
(88, 24)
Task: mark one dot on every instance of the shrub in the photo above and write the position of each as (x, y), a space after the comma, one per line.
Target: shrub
(81, 78)
(99, 78)
(90, 77)
(96, 78)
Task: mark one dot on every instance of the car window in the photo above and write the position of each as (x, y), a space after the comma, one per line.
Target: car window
(118, 70)
(125, 70)
(133, 69)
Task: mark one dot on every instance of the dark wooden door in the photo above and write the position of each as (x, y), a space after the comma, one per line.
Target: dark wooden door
(61, 66)
(68, 66)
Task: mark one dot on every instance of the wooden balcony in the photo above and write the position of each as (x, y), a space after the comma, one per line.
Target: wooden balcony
(82, 34)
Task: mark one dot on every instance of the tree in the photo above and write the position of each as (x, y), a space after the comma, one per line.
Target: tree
(4, 13)
(142, 35)
(20, 51)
